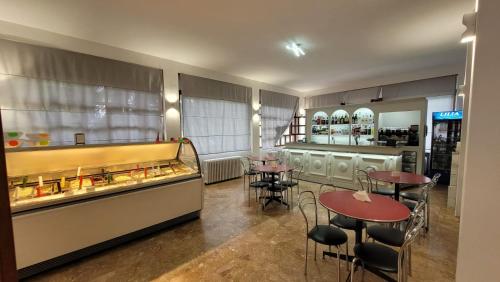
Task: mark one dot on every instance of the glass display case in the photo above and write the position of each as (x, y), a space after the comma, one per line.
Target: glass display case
(362, 127)
(41, 177)
(339, 128)
(319, 128)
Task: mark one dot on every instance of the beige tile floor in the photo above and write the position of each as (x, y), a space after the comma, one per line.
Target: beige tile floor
(236, 242)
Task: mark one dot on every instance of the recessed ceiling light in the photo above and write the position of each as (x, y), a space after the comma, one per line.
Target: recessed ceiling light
(296, 49)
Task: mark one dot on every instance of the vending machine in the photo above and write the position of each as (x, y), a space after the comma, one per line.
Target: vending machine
(446, 128)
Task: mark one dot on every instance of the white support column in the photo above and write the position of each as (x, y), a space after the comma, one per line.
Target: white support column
(479, 237)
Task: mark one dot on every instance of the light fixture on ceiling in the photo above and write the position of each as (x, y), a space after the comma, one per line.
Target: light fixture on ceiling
(469, 20)
(296, 49)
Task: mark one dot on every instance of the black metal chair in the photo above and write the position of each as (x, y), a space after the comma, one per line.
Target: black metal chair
(292, 180)
(375, 189)
(415, 196)
(322, 234)
(342, 221)
(424, 196)
(395, 235)
(386, 259)
(249, 172)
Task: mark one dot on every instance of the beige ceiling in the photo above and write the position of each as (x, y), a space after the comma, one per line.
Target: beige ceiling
(345, 40)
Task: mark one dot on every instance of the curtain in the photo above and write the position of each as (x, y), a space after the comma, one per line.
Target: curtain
(216, 126)
(438, 86)
(277, 111)
(215, 115)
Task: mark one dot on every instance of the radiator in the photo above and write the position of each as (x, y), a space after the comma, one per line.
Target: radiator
(216, 170)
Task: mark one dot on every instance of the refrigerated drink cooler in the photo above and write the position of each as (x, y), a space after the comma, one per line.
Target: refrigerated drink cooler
(446, 128)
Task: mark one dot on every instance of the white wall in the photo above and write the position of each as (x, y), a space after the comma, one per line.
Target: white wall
(399, 119)
(170, 70)
(479, 238)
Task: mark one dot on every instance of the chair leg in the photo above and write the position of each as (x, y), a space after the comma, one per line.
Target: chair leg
(338, 263)
(347, 254)
(307, 248)
(315, 247)
(353, 266)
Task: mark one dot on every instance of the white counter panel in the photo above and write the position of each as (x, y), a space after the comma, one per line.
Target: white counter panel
(338, 168)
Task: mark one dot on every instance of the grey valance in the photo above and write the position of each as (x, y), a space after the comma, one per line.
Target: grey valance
(195, 86)
(39, 62)
(438, 86)
(280, 100)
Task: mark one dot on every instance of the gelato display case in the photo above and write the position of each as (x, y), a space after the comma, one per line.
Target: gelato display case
(90, 197)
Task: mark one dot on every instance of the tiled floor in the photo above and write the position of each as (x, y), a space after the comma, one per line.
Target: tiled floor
(236, 242)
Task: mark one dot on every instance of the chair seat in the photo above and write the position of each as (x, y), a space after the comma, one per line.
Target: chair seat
(414, 196)
(276, 188)
(251, 173)
(270, 179)
(259, 184)
(383, 191)
(377, 256)
(289, 183)
(345, 222)
(410, 204)
(387, 235)
(327, 235)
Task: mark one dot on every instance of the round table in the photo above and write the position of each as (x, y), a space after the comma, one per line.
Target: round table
(381, 208)
(397, 178)
(272, 170)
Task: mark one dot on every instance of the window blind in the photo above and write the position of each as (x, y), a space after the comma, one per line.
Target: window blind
(54, 91)
(215, 115)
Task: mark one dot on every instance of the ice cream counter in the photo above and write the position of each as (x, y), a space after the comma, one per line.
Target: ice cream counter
(68, 202)
(337, 164)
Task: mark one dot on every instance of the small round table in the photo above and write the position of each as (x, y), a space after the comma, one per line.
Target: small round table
(272, 170)
(397, 178)
(380, 209)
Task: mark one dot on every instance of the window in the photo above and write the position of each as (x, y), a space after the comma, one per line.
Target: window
(216, 126)
(296, 132)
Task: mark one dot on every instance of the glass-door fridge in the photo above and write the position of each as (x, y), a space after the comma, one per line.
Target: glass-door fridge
(446, 128)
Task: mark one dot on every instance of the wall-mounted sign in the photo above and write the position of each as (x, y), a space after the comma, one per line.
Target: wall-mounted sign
(447, 115)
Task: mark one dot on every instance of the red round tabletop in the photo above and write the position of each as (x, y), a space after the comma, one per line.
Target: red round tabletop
(262, 158)
(380, 209)
(399, 177)
(273, 169)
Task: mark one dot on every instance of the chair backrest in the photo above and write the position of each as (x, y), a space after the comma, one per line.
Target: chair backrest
(295, 173)
(417, 212)
(326, 188)
(436, 177)
(306, 199)
(362, 176)
(246, 164)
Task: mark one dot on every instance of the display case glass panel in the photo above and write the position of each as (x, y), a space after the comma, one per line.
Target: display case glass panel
(362, 128)
(319, 128)
(340, 128)
(40, 177)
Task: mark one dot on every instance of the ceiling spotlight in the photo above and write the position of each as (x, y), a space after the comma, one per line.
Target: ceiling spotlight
(469, 20)
(296, 49)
